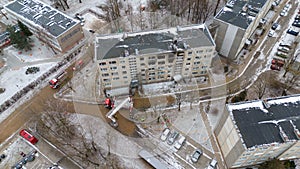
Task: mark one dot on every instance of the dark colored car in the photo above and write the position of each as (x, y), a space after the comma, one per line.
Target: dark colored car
(196, 155)
(275, 67)
(296, 24)
(92, 31)
(25, 134)
(292, 32)
(275, 26)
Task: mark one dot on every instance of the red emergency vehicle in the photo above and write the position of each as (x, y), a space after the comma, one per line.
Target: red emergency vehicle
(25, 134)
(55, 82)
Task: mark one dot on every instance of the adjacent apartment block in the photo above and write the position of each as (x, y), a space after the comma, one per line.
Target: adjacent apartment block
(53, 27)
(252, 132)
(154, 56)
(236, 22)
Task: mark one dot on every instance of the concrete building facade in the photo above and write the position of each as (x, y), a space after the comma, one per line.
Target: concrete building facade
(253, 132)
(58, 30)
(236, 22)
(154, 56)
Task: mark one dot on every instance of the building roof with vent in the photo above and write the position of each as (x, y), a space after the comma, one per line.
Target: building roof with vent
(240, 12)
(265, 122)
(151, 42)
(38, 13)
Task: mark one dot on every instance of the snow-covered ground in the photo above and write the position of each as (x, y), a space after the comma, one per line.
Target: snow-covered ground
(15, 80)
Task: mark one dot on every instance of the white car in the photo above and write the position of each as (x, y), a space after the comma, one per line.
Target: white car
(179, 143)
(283, 13)
(271, 33)
(165, 134)
(212, 164)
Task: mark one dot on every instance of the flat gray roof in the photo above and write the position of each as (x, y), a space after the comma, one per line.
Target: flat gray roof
(160, 41)
(266, 122)
(240, 12)
(54, 21)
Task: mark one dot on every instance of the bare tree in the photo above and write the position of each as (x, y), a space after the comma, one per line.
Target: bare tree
(260, 85)
(76, 141)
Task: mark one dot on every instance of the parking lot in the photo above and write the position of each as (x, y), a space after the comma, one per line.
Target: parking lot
(19, 152)
(186, 151)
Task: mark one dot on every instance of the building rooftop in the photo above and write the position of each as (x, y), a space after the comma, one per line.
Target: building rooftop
(269, 121)
(240, 12)
(160, 41)
(38, 13)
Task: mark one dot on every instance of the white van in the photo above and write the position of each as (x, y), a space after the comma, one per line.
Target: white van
(179, 142)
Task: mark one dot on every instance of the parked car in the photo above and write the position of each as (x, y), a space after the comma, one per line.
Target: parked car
(80, 18)
(275, 26)
(283, 13)
(172, 137)
(196, 155)
(212, 164)
(271, 33)
(296, 24)
(282, 55)
(292, 32)
(283, 49)
(275, 67)
(278, 62)
(91, 30)
(25, 134)
(285, 45)
(165, 134)
(179, 142)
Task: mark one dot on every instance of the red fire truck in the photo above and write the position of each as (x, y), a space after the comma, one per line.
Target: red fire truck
(109, 103)
(55, 82)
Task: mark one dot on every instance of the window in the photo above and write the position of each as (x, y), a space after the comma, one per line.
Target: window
(116, 78)
(123, 67)
(189, 58)
(161, 63)
(199, 51)
(141, 58)
(188, 64)
(190, 53)
(197, 63)
(102, 63)
(187, 68)
(122, 61)
(112, 62)
(125, 77)
(115, 73)
(151, 57)
(113, 68)
(124, 72)
(106, 80)
(142, 64)
(103, 69)
(161, 57)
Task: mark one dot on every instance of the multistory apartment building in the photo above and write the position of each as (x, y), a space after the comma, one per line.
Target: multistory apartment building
(58, 30)
(253, 132)
(236, 22)
(154, 56)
